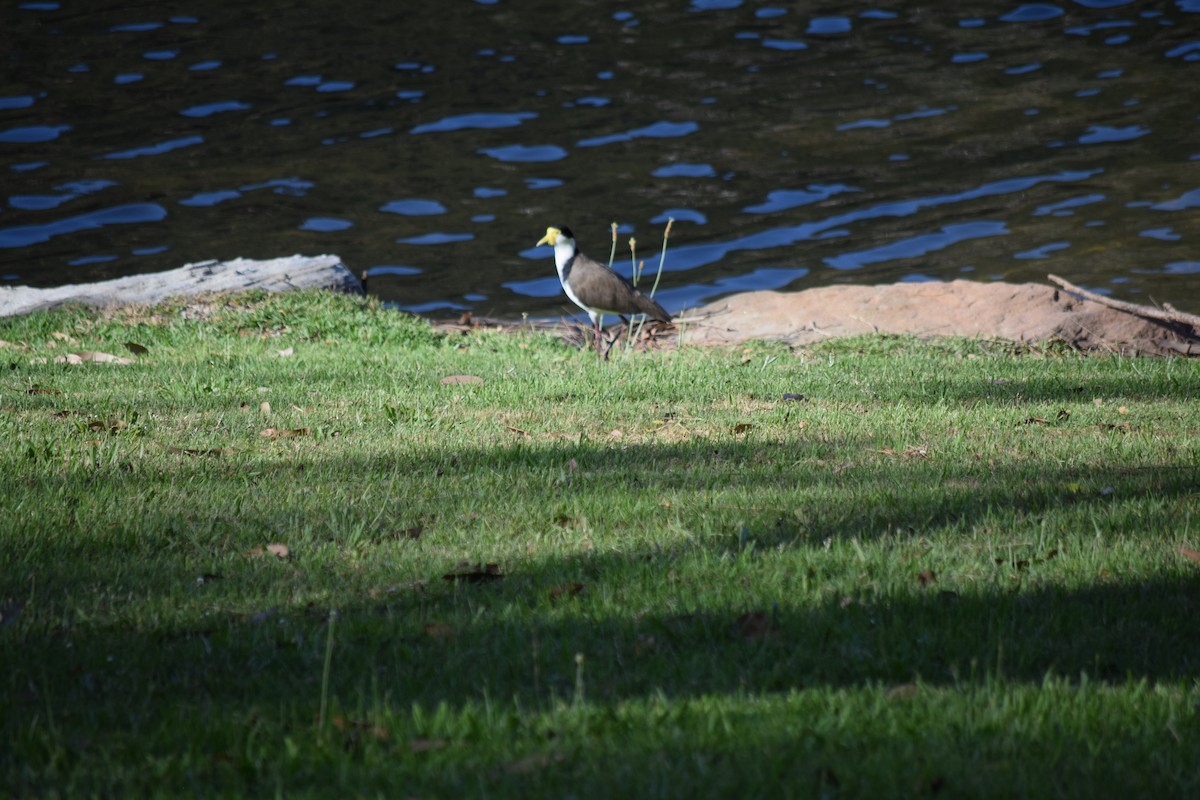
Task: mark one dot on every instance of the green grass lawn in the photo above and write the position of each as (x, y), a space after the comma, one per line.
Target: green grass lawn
(878, 567)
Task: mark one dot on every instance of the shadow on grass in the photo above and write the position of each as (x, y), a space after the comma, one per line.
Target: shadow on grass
(458, 643)
(509, 638)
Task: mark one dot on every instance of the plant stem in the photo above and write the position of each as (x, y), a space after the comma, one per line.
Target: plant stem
(325, 676)
(662, 259)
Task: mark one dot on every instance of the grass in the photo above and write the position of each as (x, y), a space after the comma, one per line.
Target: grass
(945, 568)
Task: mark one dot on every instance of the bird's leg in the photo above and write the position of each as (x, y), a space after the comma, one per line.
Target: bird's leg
(625, 323)
(608, 349)
(596, 327)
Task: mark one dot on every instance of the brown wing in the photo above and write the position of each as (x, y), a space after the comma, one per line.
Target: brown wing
(601, 288)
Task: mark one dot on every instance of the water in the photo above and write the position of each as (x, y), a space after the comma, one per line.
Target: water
(430, 144)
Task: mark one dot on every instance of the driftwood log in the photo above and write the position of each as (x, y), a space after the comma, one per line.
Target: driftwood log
(240, 274)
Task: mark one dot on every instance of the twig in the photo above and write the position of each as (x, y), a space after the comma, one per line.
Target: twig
(1168, 314)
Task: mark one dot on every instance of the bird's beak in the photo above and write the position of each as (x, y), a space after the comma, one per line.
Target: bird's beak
(550, 238)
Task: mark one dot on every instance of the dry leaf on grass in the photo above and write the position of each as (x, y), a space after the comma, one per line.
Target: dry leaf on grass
(755, 626)
(1190, 554)
(197, 451)
(284, 353)
(518, 431)
(926, 577)
(42, 390)
(439, 630)
(474, 573)
(454, 380)
(425, 745)
(343, 724)
(280, 551)
(92, 356)
(137, 349)
(283, 433)
(111, 425)
(413, 533)
(531, 763)
(566, 590)
(917, 451)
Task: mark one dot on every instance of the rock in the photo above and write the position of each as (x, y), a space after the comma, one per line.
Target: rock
(1018, 312)
(274, 275)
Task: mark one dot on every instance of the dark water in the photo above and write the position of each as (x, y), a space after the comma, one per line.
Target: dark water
(795, 144)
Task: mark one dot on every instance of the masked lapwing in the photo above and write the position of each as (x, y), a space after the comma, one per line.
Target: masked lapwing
(594, 287)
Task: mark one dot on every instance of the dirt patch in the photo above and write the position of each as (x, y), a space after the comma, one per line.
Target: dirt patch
(1016, 312)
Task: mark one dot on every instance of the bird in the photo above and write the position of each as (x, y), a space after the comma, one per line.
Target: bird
(594, 287)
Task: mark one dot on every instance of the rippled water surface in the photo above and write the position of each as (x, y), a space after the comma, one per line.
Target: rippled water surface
(794, 144)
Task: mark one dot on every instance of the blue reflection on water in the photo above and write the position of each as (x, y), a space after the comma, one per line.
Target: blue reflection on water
(523, 153)
(919, 245)
(783, 199)
(117, 215)
(155, 149)
(1186, 200)
(33, 134)
(66, 192)
(864, 123)
(829, 25)
(659, 130)
(764, 278)
(469, 121)
(1100, 134)
(1044, 251)
(437, 238)
(389, 269)
(85, 260)
(714, 5)
(209, 199)
(692, 256)
(685, 171)
(1032, 12)
(414, 207)
(325, 224)
(135, 27)
(784, 44)
(208, 109)
(1062, 208)
(680, 215)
